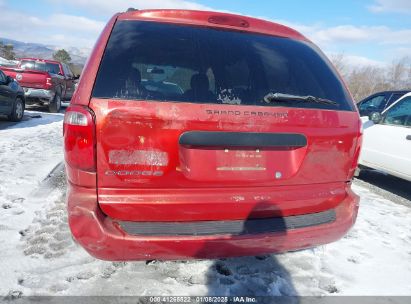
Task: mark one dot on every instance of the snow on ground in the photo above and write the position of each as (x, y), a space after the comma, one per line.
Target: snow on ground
(38, 256)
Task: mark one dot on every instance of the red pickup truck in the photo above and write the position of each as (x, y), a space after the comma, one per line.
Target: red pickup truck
(45, 82)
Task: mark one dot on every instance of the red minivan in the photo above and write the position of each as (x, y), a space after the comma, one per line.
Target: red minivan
(199, 134)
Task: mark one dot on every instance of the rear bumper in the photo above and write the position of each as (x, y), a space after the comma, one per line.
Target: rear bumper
(104, 238)
(44, 95)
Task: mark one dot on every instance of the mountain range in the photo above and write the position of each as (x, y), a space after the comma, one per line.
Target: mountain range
(38, 50)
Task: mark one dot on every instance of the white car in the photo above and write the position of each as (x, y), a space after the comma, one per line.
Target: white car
(387, 140)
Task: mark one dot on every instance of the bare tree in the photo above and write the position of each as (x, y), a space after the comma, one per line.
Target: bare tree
(339, 62)
(397, 73)
(408, 81)
(367, 80)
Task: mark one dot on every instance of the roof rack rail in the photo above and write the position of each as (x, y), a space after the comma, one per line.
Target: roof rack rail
(131, 9)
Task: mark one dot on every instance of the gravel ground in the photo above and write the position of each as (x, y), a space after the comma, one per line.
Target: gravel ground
(389, 187)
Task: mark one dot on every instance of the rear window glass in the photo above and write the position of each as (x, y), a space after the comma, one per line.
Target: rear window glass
(165, 62)
(53, 68)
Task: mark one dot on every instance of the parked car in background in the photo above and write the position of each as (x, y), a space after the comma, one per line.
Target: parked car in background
(378, 102)
(45, 82)
(8, 63)
(248, 146)
(387, 139)
(12, 102)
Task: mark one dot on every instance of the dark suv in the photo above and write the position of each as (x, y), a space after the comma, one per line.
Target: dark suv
(12, 100)
(202, 134)
(378, 102)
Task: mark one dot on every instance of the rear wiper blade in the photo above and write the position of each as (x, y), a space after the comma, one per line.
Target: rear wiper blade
(270, 97)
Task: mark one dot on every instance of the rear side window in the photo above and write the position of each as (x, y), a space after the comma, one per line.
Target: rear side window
(373, 103)
(399, 114)
(165, 62)
(67, 70)
(49, 67)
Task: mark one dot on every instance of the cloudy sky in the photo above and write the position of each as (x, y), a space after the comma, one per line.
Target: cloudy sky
(365, 31)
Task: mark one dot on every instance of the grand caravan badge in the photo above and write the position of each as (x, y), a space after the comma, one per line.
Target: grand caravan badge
(282, 115)
(133, 173)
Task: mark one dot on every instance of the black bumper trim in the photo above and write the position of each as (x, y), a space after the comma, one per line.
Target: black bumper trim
(198, 139)
(236, 227)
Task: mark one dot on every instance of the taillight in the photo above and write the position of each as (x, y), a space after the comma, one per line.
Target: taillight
(79, 140)
(357, 150)
(49, 83)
